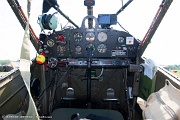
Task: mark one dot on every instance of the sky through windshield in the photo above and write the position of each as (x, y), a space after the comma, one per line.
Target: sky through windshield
(136, 18)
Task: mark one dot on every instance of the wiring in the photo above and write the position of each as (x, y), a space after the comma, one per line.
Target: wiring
(63, 77)
(75, 82)
(102, 70)
(52, 96)
(122, 27)
(40, 96)
(65, 25)
(112, 73)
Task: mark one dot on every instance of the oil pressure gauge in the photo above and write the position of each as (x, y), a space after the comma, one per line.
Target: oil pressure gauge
(102, 36)
(50, 43)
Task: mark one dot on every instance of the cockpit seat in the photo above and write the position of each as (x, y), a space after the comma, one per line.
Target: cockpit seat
(66, 113)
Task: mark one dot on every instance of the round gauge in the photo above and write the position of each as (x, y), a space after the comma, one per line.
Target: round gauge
(61, 39)
(121, 39)
(102, 48)
(77, 36)
(78, 49)
(90, 36)
(102, 36)
(52, 62)
(50, 43)
(61, 48)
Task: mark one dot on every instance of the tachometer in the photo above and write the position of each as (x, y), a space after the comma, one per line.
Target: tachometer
(102, 48)
(77, 36)
(102, 36)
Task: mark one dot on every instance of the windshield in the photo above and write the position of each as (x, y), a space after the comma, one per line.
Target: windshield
(136, 19)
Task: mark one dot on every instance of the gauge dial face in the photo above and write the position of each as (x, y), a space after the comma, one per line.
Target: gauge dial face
(102, 48)
(61, 49)
(78, 49)
(50, 43)
(102, 36)
(121, 39)
(77, 36)
(90, 36)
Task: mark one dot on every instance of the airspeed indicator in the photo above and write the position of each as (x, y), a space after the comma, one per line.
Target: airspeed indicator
(77, 36)
(102, 36)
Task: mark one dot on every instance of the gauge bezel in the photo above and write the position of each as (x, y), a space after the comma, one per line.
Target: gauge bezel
(50, 44)
(90, 36)
(78, 35)
(121, 39)
(102, 45)
(61, 49)
(78, 52)
(102, 36)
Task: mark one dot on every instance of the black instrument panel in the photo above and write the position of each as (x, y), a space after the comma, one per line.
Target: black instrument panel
(106, 43)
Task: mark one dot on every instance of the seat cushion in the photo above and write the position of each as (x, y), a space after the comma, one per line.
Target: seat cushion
(66, 113)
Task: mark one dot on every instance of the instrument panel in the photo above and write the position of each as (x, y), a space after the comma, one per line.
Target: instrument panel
(106, 43)
(95, 46)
